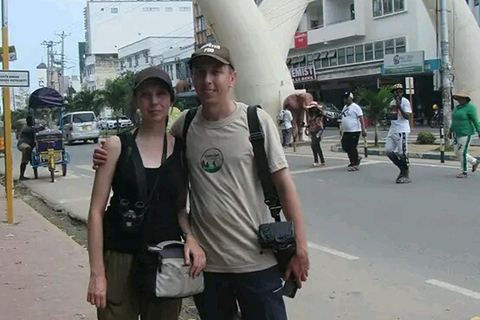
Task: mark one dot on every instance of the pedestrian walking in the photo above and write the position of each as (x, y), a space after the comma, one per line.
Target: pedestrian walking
(315, 128)
(118, 235)
(227, 201)
(353, 125)
(285, 119)
(396, 146)
(464, 125)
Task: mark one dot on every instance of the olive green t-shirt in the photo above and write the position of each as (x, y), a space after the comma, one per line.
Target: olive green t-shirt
(226, 200)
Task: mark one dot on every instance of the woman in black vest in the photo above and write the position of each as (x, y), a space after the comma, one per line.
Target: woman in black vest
(115, 239)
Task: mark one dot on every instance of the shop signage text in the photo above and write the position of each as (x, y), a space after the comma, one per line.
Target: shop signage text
(301, 40)
(14, 78)
(404, 63)
(303, 74)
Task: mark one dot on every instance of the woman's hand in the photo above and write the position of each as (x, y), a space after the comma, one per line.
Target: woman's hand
(194, 251)
(97, 291)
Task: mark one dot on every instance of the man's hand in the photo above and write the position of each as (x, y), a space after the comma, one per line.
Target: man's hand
(193, 250)
(99, 156)
(298, 267)
(364, 133)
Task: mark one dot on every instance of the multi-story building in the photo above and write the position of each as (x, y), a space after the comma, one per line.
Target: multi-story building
(342, 44)
(170, 53)
(111, 25)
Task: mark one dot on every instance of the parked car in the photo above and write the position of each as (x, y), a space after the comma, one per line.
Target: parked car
(111, 123)
(333, 115)
(80, 125)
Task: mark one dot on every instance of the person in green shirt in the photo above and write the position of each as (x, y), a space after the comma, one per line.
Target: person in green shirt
(464, 125)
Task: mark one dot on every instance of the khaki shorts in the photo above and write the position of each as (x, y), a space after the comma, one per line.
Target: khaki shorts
(126, 303)
(26, 151)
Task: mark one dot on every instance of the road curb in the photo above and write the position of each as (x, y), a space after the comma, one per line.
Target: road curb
(412, 155)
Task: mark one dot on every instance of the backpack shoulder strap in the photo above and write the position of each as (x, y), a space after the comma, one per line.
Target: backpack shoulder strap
(257, 139)
(188, 120)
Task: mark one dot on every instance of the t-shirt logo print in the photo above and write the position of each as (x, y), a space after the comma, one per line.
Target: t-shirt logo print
(212, 160)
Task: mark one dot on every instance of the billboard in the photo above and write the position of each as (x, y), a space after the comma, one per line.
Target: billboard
(303, 74)
(404, 63)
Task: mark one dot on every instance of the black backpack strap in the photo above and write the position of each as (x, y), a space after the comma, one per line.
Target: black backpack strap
(188, 120)
(257, 138)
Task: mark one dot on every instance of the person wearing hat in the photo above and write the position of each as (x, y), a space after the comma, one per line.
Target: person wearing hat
(397, 139)
(117, 253)
(315, 130)
(353, 124)
(464, 125)
(227, 203)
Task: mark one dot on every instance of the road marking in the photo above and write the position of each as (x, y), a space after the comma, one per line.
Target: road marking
(332, 251)
(330, 168)
(85, 167)
(454, 288)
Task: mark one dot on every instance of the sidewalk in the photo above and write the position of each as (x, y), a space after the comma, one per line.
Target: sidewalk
(43, 273)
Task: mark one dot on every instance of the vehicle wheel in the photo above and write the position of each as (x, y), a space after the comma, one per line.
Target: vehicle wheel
(95, 140)
(64, 170)
(52, 175)
(35, 173)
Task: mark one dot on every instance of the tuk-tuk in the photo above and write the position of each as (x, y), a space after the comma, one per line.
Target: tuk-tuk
(49, 148)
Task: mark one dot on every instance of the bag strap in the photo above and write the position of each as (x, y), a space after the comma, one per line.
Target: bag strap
(188, 120)
(257, 139)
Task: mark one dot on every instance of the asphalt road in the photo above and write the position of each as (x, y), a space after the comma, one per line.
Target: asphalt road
(378, 250)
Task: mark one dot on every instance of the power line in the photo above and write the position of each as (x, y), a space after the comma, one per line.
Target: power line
(62, 75)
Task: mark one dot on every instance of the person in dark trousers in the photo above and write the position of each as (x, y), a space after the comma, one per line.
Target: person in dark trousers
(227, 202)
(315, 128)
(25, 144)
(353, 124)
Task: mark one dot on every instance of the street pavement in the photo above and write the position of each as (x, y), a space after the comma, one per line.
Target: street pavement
(378, 250)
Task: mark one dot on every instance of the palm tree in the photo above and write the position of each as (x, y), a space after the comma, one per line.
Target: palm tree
(85, 101)
(377, 104)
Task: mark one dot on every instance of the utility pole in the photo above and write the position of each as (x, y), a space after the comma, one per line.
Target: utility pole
(446, 72)
(62, 76)
(49, 45)
(8, 118)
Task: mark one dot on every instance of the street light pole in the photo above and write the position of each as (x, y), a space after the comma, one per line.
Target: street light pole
(446, 71)
(8, 118)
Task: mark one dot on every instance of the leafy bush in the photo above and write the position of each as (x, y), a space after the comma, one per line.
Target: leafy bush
(426, 138)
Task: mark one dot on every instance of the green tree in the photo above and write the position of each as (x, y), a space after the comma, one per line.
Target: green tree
(377, 104)
(117, 93)
(85, 101)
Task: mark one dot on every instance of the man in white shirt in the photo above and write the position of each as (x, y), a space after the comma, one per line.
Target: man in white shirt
(353, 124)
(285, 119)
(396, 144)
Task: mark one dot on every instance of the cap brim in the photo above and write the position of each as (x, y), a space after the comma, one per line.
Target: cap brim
(457, 96)
(213, 56)
(153, 77)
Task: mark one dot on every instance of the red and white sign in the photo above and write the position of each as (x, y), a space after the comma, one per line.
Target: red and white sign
(303, 74)
(301, 40)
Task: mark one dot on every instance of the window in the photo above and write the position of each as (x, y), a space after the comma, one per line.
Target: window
(332, 55)
(184, 9)
(400, 45)
(390, 46)
(350, 55)
(168, 9)
(369, 52)
(378, 50)
(129, 62)
(136, 60)
(399, 5)
(309, 60)
(341, 56)
(145, 55)
(385, 7)
(151, 9)
(377, 8)
(359, 53)
(201, 24)
(113, 10)
(352, 11)
(324, 58)
(316, 61)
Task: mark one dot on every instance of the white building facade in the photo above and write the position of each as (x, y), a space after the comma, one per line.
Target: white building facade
(112, 25)
(170, 53)
(344, 42)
